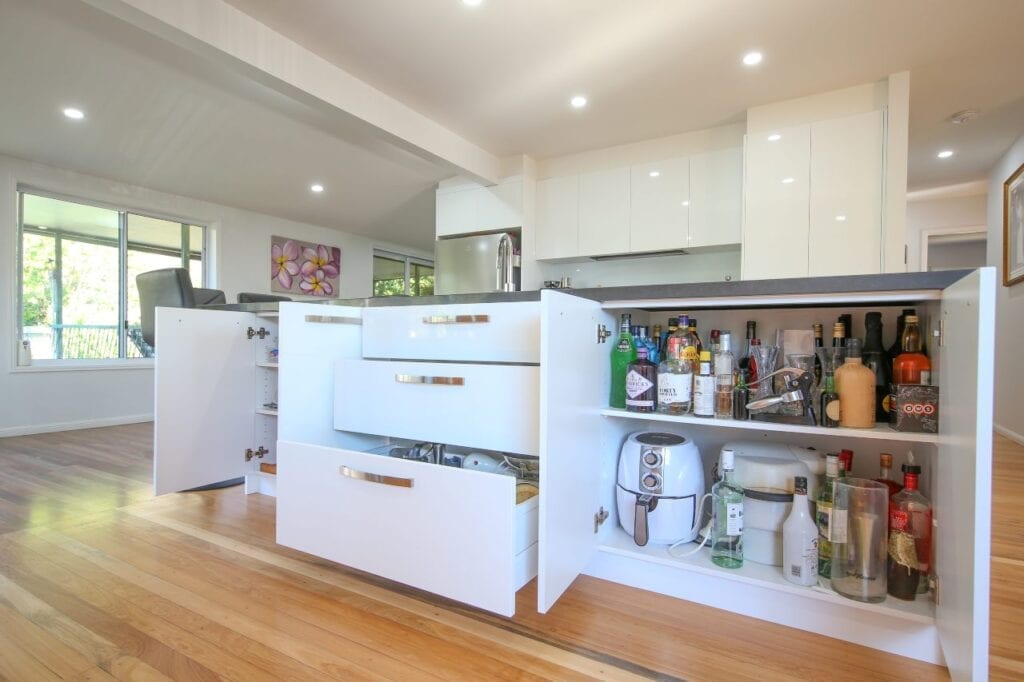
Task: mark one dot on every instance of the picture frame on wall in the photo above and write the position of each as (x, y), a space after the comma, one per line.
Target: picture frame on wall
(1013, 228)
(304, 268)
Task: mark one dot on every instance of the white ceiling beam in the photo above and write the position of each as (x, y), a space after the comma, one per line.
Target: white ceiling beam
(221, 32)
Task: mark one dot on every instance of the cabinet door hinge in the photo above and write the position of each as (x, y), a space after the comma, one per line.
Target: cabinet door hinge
(258, 452)
(600, 516)
(602, 333)
(940, 333)
(933, 582)
(261, 332)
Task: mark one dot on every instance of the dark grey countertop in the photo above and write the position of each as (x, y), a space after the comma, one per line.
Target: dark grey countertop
(910, 281)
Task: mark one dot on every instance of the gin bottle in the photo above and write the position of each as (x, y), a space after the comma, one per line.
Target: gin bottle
(641, 383)
(823, 513)
(623, 353)
(727, 527)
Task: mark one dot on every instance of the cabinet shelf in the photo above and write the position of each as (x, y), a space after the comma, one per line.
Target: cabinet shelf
(921, 610)
(269, 314)
(268, 365)
(267, 411)
(879, 432)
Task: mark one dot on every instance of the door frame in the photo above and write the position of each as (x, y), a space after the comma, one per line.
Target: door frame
(944, 232)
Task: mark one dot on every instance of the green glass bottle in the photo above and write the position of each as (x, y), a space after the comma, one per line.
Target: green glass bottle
(823, 516)
(727, 525)
(623, 353)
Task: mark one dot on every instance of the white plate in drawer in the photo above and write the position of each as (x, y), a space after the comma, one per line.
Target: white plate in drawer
(486, 332)
(456, 533)
(493, 407)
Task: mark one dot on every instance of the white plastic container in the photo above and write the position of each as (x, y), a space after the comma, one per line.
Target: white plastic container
(765, 510)
(772, 466)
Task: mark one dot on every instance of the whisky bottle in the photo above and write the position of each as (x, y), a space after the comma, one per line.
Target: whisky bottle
(727, 519)
(675, 381)
(911, 366)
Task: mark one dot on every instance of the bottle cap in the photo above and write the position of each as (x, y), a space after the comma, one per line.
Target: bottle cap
(886, 459)
(641, 352)
(911, 468)
(705, 356)
(853, 346)
(714, 334)
(673, 321)
(839, 329)
(725, 339)
(727, 459)
(684, 320)
(911, 319)
(799, 485)
(693, 322)
(817, 327)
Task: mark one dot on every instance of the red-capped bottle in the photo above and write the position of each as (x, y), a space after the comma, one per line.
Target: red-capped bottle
(885, 474)
(910, 538)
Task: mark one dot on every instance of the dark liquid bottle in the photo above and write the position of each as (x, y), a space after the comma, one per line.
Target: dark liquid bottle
(744, 360)
(896, 346)
(641, 383)
(818, 343)
(847, 321)
(876, 358)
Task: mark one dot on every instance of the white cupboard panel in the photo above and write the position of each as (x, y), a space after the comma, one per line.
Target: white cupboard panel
(491, 332)
(604, 212)
(204, 384)
(456, 212)
(716, 198)
(449, 531)
(499, 207)
(775, 218)
(659, 205)
(492, 407)
(846, 196)
(558, 217)
(963, 499)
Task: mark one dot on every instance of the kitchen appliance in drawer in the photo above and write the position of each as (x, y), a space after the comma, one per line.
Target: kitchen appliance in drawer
(493, 407)
(453, 532)
(486, 332)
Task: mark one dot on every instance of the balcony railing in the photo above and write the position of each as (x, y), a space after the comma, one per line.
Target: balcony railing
(83, 341)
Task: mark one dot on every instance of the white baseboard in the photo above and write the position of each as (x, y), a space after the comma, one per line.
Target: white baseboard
(1012, 435)
(75, 425)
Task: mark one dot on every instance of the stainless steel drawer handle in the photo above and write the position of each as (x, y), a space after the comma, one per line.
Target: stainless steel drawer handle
(456, 319)
(396, 481)
(332, 319)
(420, 379)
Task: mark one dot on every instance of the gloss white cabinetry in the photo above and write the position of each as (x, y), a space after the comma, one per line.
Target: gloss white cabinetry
(659, 205)
(558, 218)
(716, 198)
(474, 208)
(604, 212)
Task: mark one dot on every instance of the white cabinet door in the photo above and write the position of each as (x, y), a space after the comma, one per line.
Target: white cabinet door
(845, 236)
(775, 217)
(558, 217)
(716, 198)
(312, 338)
(963, 501)
(499, 207)
(204, 405)
(455, 212)
(604, 212)
(574, 377)
(659, 205)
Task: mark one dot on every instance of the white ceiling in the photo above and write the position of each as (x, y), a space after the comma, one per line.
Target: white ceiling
(164, 119)
(501, 74)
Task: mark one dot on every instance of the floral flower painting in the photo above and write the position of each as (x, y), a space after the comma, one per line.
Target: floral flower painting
(303, 268)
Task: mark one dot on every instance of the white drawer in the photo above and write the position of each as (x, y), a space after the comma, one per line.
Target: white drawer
(492, 407)
(491, 332)
(453, 532)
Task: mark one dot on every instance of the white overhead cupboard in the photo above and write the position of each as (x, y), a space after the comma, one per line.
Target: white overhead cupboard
(543, 358)
(467, 209)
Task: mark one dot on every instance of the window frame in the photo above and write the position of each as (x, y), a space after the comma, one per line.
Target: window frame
(122, 360)
(408, 261)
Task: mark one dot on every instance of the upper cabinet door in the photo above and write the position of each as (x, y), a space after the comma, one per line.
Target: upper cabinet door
(456, 211)
(205, 376)
(499, 207)
(558, 217)
(659, 206)
(775, 217)
(846, 196)
(604, 212)
(716, 198)
(963, 500)
(574, 381)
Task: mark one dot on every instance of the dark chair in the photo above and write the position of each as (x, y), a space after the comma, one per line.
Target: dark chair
(250, 297)
(170, 288)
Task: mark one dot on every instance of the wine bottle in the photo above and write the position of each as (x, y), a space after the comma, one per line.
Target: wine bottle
(877, 359)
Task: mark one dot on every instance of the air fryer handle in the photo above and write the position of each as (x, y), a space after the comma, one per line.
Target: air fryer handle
(644, 504)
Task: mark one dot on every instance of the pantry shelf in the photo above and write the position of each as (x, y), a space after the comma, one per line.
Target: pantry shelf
(879, 432)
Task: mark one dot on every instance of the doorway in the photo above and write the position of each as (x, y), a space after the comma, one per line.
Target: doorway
(954, 248)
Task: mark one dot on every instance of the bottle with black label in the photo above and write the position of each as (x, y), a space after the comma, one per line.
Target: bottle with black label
(641, 383)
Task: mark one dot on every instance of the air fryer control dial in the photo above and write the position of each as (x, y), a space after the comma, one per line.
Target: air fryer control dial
(651, 481)
(652, 458)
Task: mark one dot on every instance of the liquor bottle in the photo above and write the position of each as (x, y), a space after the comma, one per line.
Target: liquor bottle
(696, 336)
(847, 321)
(838, 335)
(641, 383)
(740, 397)
(688, 348)
(623, 353)
(800, 539)
(714, 345)
(855, 384)
(911, 366)
(823, 514)
(910, 538)
(675, 380)
(744, 358)
(752, 370)
(723, 368)
(818, 343)
(828, 406)
(658, 342)
(704, 388)
(727, 524)
(878, 361)
(885, 474)
(673, 325)
(845, 463)
(652, 348)
(896, 346)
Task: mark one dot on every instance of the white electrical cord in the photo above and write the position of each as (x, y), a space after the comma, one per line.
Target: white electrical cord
(706, 532)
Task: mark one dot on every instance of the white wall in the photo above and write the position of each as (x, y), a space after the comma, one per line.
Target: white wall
(1009, 305)
(958, 207)
(34, 400)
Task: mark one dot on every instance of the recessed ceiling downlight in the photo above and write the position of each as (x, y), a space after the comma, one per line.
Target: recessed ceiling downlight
(788, 181)
(74, 113)
(471, 3)
(654, 174)
(578, 102)
(316, 188)
(752, 58)
(945, 153)
(774, 137)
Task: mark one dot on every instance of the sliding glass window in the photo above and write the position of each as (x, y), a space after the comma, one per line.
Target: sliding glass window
(78, 263)
(398, 275)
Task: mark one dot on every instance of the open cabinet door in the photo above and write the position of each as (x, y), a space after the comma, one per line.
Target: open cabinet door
(204, 409)
(574, 375)
(963, 501)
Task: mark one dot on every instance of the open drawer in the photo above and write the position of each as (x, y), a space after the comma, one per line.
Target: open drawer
(453, 532)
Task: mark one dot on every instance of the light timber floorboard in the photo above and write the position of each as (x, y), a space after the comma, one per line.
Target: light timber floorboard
(99, 581)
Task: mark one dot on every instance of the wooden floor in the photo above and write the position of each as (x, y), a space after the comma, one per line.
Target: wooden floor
(98, 579)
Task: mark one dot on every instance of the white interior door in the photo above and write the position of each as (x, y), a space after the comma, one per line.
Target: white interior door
(963, 499)
(205, 380)
(573, 386)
